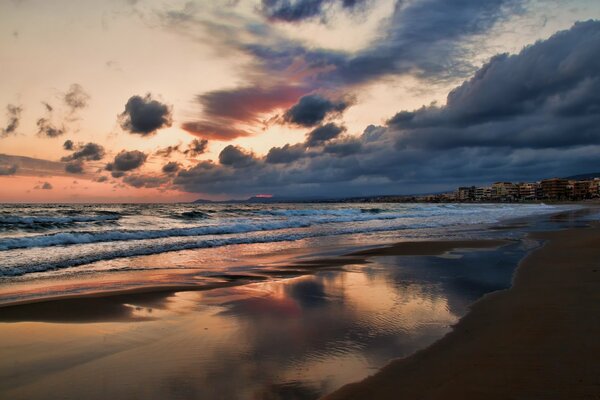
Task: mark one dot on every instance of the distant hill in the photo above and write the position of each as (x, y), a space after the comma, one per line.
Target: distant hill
(202, 201)
(584, 176)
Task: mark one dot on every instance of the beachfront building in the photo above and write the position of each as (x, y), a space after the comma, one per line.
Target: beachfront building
(483, 193)
(505, 191)
(581, 190)
(528, 191)
(555, 188)
(465, 193)
(595, 188)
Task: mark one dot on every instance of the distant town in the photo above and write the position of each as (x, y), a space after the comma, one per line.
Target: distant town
(551, 190)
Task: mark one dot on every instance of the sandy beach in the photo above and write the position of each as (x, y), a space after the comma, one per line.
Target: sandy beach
(537, 340)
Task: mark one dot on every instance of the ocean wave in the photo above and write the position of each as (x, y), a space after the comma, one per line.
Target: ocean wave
(74, 238)
(191, 215)
(62, 220)
(146, 249)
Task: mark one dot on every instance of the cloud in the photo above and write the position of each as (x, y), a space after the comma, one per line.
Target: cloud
(286, 154)
(13, 115)
(300, 10)
(44, 186)
(226, 112)
(74, 167)
(196, 147)
(547, 96)
(127, 161)
(144, 115)
(344, 147)
(48, 129)
(68, 145)
(89, 151)
(33, 166)
(116, 174)
(171, 167)
(323, 134)
(8, 169)
(145, 181)
(520, 117)
(236, 157)
(312, 109)
(76, 98)
(167, 151)
(429, 39)
(214, 131)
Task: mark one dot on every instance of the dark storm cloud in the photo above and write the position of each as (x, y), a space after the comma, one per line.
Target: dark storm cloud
(285, 154)
(127, 161)
(196, 147)
(312, 109)
(145, 181)
(299, 10)
(171, 167)
(8, 169)
(89, 152)
(76, 98)
(74, 167)
(144, 115)
(323, 134)
(13, 116)
(423, 38)
(236, 157)
(521, 117)
(343, 147)
(548, 95)
(48, 129)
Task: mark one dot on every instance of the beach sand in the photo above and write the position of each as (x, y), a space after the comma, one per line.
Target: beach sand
(537, 340)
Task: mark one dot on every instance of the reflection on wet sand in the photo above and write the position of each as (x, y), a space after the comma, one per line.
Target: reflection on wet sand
(297, 338)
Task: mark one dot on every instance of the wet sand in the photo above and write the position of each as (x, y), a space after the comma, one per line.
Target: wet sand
(115, 305)
(536, 340)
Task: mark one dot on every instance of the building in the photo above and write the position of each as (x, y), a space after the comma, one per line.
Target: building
(595, 188)
(555, 188)
(528, 191)
(505, 191)
(483, 193)
(581, 190)
(465, 193)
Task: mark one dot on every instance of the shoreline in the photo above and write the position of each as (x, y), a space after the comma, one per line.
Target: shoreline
(75, 304)
(537, 339)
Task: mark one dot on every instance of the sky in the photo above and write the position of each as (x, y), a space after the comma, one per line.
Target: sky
(167, 101)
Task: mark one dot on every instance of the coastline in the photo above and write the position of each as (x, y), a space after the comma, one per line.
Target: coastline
(537, 339)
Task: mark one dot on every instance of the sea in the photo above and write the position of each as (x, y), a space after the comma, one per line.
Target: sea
(81, 238)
